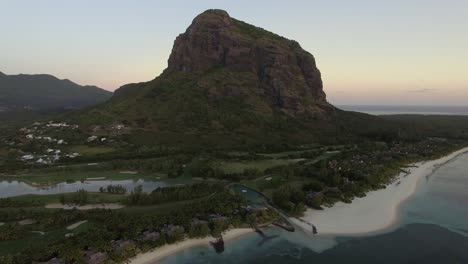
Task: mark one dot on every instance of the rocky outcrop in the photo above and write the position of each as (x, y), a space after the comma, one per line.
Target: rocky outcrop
(277, 69)
(228, 84)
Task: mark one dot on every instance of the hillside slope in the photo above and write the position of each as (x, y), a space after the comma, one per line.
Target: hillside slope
(44, 92)
(231, 83)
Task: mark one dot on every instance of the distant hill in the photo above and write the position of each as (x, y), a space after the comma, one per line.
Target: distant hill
(46, 92)
(231, 83)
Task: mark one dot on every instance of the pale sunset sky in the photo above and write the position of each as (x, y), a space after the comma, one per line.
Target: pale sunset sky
(371, 52)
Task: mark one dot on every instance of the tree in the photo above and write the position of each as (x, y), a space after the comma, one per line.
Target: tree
(199, 230)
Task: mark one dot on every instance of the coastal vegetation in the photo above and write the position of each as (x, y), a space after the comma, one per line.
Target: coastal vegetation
(171, 194)
(78, 198)
(114, 189)
(31, 200)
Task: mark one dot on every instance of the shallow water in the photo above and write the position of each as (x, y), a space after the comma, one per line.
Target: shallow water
(248, 193)
(16, 188)
(442, 198)
(433, 229)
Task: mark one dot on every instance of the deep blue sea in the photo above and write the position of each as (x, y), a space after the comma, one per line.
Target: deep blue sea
(433, 229)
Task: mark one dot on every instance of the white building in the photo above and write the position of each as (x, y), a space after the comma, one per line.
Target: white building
(92, 138)
(27, 157)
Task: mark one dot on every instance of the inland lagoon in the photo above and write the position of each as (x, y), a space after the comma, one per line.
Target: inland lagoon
(10, 188)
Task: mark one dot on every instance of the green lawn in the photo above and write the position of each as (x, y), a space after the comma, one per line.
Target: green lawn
(285, 154)
(89, 151)
(261, 165)
(83, 227)
(324, 156)
(14, 246)
(160, 208)
(93, 198)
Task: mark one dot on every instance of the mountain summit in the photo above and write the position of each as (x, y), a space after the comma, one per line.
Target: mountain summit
(227, 83)
(272, 67)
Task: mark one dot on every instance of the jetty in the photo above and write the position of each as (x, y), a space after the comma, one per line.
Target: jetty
(218, 245)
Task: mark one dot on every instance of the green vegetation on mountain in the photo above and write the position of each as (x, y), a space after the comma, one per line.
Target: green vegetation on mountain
(231, 85)
(45, 92)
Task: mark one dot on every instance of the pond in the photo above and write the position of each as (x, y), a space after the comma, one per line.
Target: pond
(9, 188)
(248, 193)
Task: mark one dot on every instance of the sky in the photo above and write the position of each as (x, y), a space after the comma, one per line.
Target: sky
(370, 52)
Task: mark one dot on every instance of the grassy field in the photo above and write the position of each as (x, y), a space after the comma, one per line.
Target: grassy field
(160, 208)
(324, 156)
(268, 183)
(261, 165)
(93, 198)
(11, 247)
(285, 154)
(53, 234)
(89, 151)
(83, 227)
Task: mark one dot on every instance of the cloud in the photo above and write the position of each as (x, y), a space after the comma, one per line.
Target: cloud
(425, 90)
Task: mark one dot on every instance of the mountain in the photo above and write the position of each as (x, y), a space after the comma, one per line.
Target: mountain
(230, 83)
(46, 92)
(221, 50)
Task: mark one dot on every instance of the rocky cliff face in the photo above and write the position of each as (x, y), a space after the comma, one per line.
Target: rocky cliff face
(273, 67)
(227, 83)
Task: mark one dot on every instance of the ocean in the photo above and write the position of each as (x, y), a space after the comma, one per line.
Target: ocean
(405, 109)
(433, 228)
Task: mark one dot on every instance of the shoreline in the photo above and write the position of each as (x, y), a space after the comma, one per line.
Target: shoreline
(378, 211)
(160, 253)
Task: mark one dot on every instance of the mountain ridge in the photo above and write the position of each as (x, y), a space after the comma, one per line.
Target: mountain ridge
(45, 91)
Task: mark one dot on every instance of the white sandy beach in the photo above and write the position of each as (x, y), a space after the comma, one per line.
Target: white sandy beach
(160, 253)
(376, 212)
